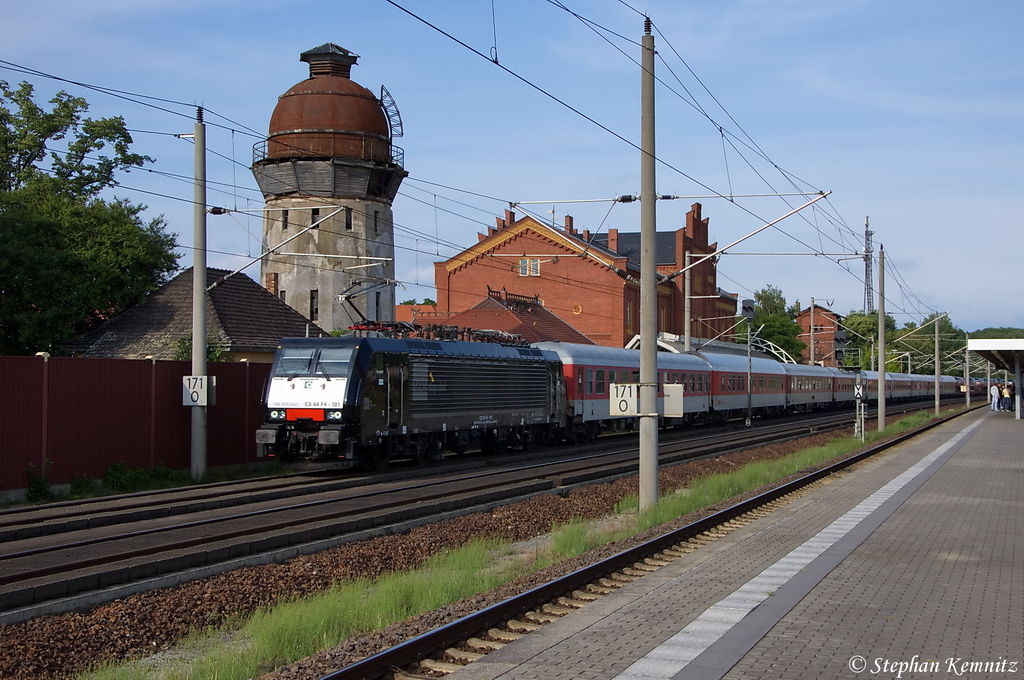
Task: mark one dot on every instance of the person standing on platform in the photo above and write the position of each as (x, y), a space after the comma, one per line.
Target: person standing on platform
(994, 392)
(1005, 406)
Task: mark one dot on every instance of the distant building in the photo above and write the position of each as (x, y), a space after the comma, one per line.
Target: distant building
(589, 281)
(826, 323)
(329, 157)
(519, 315)
(242, 318)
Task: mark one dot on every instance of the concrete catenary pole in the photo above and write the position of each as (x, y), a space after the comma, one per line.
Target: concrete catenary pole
(648, 284)
(967, 370)
(199, 296)
(811, 362)
(881, 338)
(937, 368)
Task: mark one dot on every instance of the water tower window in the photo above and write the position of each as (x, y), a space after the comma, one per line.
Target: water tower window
(348, 219)
(284, 220)
(376, 216)
(314, 305)
(314, 215)
(281, 295)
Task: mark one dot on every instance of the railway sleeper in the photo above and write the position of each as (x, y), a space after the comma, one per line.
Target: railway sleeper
(461, 656)
(541, 617)
(435, 666)
(505, 636)
(486, 646)
(558, 610)
(517, 626)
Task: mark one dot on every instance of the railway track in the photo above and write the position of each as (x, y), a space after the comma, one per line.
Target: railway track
(68, 556)
(466, 640)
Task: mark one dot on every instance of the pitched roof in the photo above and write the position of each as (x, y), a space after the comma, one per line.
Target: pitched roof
(519, 315)
(571, 242)
(241, 315)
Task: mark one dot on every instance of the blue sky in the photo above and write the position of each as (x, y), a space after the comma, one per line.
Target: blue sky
(910, 112)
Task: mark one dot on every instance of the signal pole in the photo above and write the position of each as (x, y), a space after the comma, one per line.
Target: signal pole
(648, 283)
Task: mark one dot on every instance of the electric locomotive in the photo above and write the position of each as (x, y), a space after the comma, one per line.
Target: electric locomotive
(363, 402)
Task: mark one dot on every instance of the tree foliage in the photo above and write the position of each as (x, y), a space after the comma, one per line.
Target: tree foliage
(68, 259)
(775, 319)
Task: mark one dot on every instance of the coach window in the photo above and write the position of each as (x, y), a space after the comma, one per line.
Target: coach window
(599, 381)
(590, 381)
(636, 377)
(741, 383)
(579, 382)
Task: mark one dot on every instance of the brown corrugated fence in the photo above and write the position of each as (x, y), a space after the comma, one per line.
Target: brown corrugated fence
(79, 416)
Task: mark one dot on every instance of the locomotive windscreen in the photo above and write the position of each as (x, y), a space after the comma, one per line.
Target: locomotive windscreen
(330, 362)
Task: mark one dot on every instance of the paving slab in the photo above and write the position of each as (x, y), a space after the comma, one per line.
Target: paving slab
(909, 565)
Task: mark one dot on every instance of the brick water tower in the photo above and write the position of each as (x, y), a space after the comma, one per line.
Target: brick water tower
(329, 157)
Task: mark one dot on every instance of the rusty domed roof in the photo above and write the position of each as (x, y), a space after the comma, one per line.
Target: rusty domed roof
(329, 115)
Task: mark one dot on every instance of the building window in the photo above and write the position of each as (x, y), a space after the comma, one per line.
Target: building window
(314, 305)
(348, 219)
(281, 295)
(284, 220)
(376, 304)
(314, 215)
(629, 317)
(529, 266)
(376, 217)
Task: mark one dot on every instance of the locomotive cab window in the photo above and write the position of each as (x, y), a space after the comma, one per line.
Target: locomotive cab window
(295, 360)
(334, 362)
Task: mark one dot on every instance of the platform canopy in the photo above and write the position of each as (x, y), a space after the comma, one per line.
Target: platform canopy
(1006, 355)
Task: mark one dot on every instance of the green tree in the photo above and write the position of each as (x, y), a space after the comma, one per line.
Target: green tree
(862, 334)
(68, 259)
(779, 328)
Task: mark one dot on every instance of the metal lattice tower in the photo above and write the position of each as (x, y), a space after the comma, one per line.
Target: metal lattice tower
(869, 298)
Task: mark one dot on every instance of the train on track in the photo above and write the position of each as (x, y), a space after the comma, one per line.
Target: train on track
(362, 402)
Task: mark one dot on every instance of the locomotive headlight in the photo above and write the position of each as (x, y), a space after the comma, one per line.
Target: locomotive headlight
(334, 415)
(277, 415)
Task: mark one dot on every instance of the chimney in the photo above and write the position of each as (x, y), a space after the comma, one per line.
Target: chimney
(613, 240)
(586, 235)
(329, 60)
(568, 225)
(510, 218)
(499, 223)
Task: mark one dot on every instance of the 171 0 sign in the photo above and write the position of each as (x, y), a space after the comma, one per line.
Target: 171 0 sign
(198, 390)
(624, 400)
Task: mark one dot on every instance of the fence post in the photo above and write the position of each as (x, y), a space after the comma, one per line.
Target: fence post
(152, 411)
(44, 414)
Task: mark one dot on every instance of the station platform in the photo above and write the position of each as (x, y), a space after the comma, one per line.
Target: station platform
(909, 565)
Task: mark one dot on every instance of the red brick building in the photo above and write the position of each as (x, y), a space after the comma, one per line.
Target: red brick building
(592, 282)
(826, 322)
